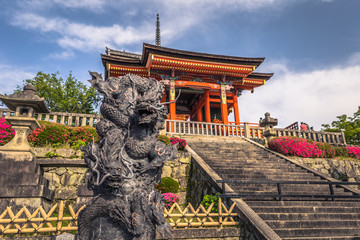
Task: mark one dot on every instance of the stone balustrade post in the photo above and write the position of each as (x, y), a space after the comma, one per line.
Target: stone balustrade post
(246, 130)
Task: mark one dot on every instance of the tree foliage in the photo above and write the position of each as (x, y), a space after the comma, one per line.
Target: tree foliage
(64, 95)
(350, 126)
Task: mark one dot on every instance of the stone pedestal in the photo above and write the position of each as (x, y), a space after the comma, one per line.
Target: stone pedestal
(22, 184)
(18, 149)
(21, 178)
(268, 123)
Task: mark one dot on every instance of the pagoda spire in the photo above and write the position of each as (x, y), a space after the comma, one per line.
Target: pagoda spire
(157, 38)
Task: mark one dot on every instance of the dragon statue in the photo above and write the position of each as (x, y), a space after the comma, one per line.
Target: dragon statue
(127, 162)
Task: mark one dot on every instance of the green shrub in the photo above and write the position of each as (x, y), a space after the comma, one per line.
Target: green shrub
(165, 139)
(209, 199)
(327, 148)
(77, 144)
(52, 155)
(341, 152)
(168, 185)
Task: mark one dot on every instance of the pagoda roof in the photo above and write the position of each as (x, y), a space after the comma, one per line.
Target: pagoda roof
(132, 59)
(261, 76)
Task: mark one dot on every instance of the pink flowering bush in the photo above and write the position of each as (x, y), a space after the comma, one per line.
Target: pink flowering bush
(170, 199)
(182, 142)
(49, 133)
(58, 135)
(6, 132)
(354, 152)
(293, 146)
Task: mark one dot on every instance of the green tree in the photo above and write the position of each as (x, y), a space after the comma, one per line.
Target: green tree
(69, 95)
(350, 126)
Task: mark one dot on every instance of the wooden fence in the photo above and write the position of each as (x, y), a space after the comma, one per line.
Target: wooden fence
(63, 218)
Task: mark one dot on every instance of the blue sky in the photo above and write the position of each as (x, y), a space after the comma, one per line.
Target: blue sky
(312, 46)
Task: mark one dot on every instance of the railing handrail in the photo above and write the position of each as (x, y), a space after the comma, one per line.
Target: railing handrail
(285, 182)
(280, 195)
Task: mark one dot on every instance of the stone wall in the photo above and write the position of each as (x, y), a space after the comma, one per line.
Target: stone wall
(67, 173)
(344, 170)
(179, 169)
(65, 180)
(200, 184)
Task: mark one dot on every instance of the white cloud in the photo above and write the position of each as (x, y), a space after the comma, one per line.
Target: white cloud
(93, 5)
(11, 76)
(177, 16)
(65, 55)
(84, 37)
(314, 97)
(88, 4)
(354, 59)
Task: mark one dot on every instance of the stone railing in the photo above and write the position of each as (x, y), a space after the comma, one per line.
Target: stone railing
(335, 138)
(248, 131)
(212, 129)
(70, 119)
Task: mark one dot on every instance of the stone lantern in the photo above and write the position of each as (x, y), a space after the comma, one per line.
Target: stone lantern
(25, 104)
(268, 123)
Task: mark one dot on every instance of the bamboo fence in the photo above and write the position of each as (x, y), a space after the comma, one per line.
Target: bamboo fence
(56, 222)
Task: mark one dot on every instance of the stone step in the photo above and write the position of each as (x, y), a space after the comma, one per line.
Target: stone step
(306, 209)
(355, 203)
(310, 189)
(317, 232)
(271, 177)
(309, 216)
(262, 170)
(314, 224)
(305, 218)
(323, 238)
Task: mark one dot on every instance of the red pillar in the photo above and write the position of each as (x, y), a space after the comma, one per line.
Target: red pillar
(172, 107)
(236, 109)
(172, 98)
(199, 115)
(224, 110)
(207, 106)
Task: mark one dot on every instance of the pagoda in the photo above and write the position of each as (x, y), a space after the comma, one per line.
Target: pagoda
(199, 86)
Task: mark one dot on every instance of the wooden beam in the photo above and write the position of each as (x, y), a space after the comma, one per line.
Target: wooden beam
(219, 101)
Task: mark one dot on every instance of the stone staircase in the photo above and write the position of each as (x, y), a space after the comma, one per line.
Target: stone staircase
(293, 217)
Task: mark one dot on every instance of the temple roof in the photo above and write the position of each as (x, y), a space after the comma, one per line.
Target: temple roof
(116, 56)
(161, 62)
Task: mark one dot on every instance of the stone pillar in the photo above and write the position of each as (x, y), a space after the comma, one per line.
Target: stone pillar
(246, 130)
